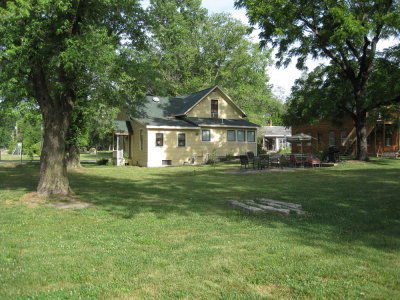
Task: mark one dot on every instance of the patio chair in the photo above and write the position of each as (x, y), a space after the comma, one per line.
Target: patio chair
(294, 161)
(283, 161)
(250, 156)
(263, 161)
(312, 161)
(244, 161)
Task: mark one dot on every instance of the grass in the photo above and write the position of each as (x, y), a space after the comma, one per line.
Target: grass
(100, 155)
(5, 156)
(84, 156)
(168, 233)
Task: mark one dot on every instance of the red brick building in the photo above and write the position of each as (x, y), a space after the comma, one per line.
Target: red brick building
(383, 137)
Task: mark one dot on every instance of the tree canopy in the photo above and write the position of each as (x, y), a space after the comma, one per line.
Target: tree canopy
(191, 50)
(57, 52)
(346, 33)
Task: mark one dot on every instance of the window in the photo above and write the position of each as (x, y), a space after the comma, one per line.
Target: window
(214, 109)
(205, 135)
(241, 136)
(343, 136)
(251, 136)
(231, 136)
(282, 143)
(181, 139)
(388, 139)
(159, 139)
(166, 162)
(331, 138)
(319, 138)
(141, 139)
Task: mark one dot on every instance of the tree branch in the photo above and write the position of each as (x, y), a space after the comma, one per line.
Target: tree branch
(343, 63)
(353, 49)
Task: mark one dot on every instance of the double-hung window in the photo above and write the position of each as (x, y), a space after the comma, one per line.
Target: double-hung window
(343, 136)
(231, 135)
(159, 139)
(388, 139)
(251, 136)
(331, 138)
(214, 109)
(206, 135)
(241, 136)
(181, 139)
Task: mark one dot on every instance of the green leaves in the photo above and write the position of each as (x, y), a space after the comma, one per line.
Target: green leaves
(191, 50)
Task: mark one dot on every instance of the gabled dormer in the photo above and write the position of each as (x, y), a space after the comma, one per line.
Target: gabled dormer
(211, 103)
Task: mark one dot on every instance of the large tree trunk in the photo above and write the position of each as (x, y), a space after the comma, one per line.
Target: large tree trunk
(361, 131)
(56, 112)
(53, 169)
(73, 159)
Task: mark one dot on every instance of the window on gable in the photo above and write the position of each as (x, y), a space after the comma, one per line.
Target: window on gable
(181, 139)
(159, 139)
(214, 109)
(231, 136)
(205, 135)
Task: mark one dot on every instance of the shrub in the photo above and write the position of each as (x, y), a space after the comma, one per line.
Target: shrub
(260, 149)
(229, 157)
(103, 161)
(212, 159)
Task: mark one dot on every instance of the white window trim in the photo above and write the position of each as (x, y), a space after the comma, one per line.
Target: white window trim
(177, 140)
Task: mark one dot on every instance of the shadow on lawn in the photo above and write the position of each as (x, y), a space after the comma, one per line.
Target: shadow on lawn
(344, 205)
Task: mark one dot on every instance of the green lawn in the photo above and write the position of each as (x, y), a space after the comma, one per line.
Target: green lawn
(6, 156)
(84, 156)
(168, 233)
(100, 155)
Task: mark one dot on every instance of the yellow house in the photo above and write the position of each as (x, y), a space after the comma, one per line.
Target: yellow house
(187, 129)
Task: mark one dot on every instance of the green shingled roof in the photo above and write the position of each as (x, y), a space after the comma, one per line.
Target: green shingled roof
(159, 111)
(166, 107)
(220, 122)
(122, 127)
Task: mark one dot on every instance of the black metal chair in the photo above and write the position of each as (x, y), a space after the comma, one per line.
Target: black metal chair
(244, 161)
(250, 156)
(263, 161)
